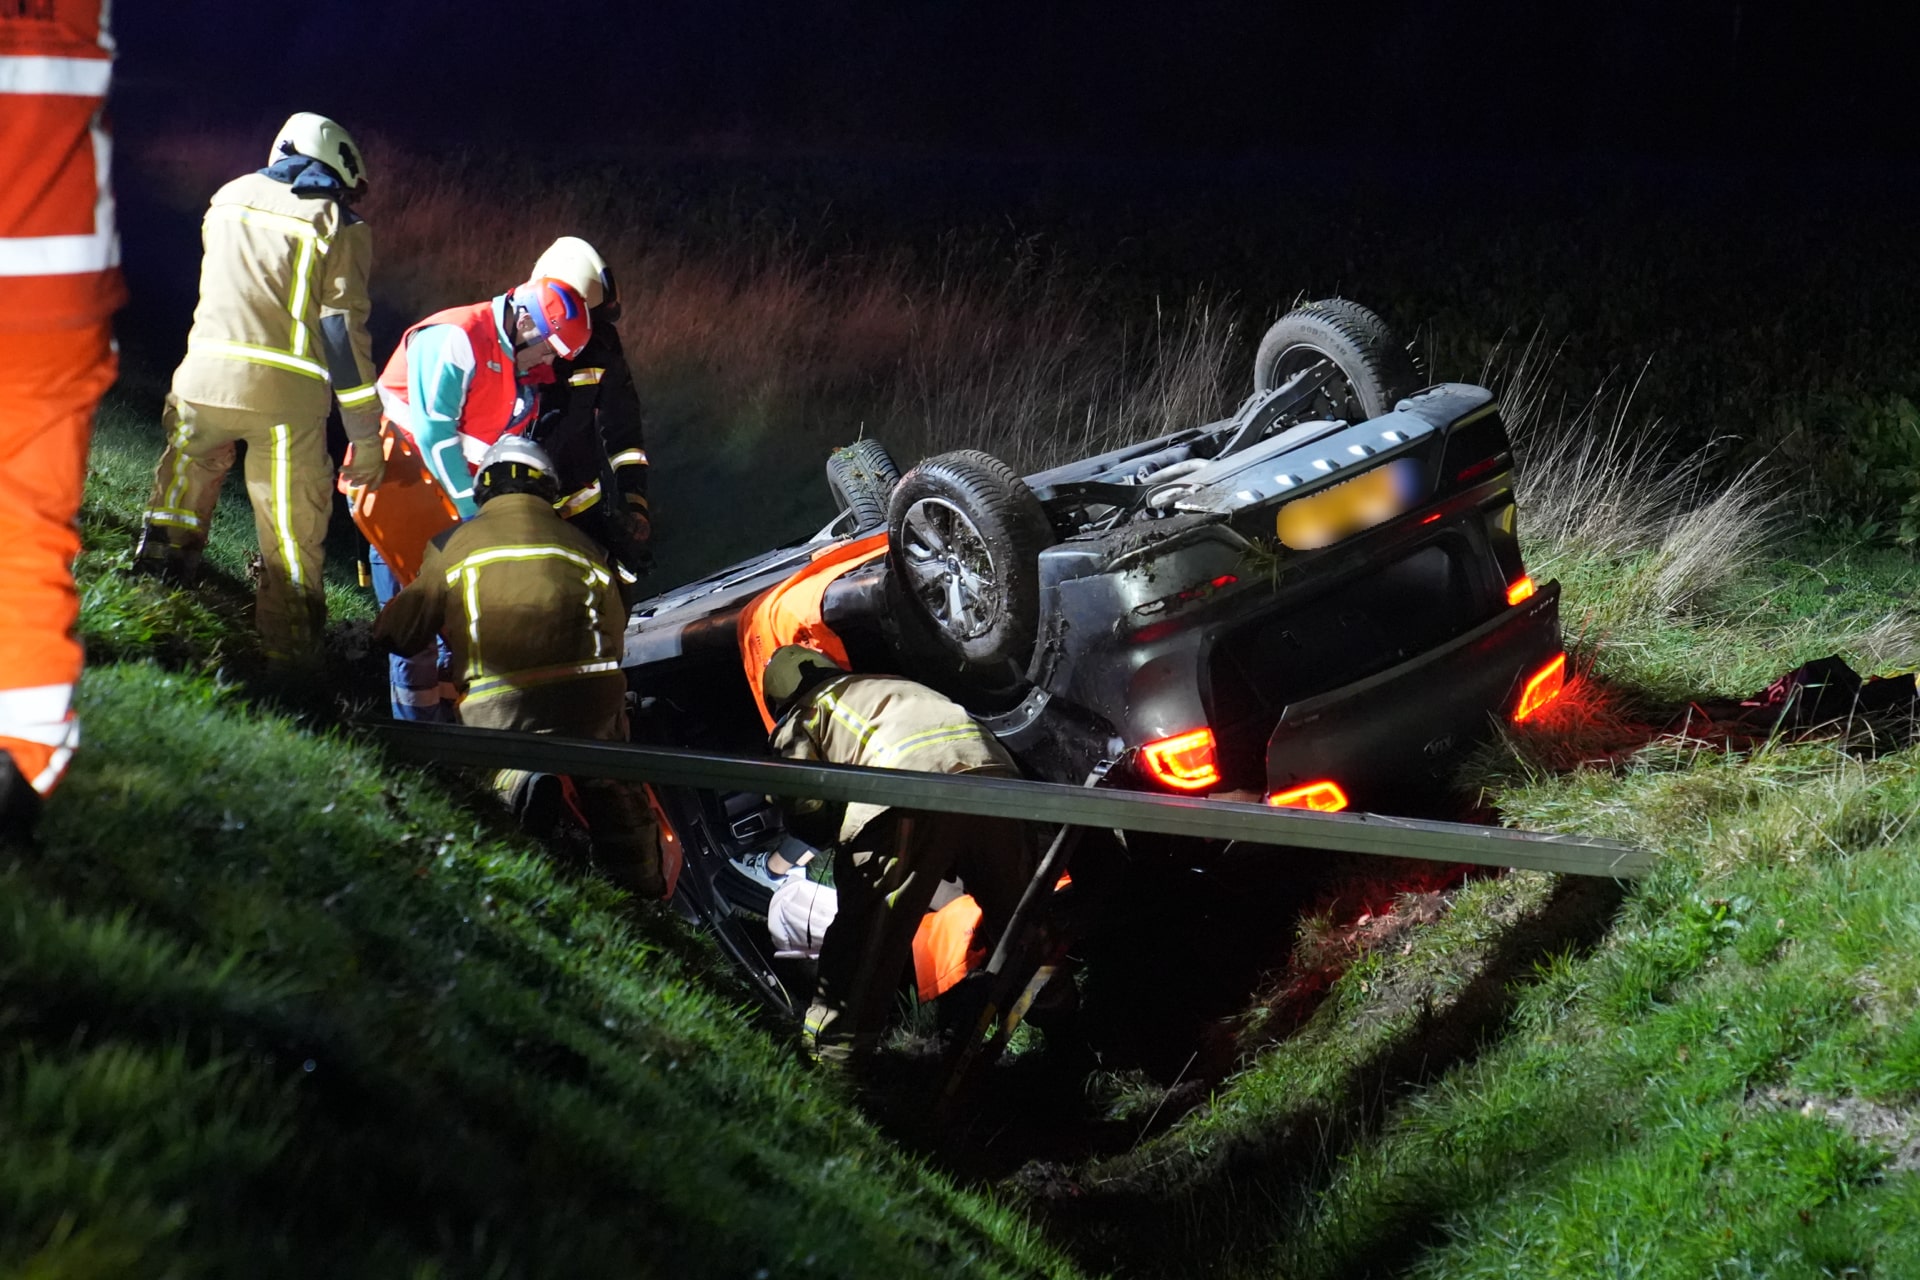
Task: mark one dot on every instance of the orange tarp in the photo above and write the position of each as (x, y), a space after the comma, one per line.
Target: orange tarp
(789, 613)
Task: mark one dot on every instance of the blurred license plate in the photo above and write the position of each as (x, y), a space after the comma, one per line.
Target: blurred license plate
(1370, 498)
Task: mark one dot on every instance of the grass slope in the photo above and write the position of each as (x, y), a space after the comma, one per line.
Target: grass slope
(1715, 1072)
(273, 1007)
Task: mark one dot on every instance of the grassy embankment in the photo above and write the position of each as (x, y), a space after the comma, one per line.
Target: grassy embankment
(273, 1007)
(1709, 1075)
(1714, 1073)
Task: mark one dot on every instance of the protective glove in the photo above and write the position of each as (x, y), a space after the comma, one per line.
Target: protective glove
(633, 539)
(365, 467)
(366, 463)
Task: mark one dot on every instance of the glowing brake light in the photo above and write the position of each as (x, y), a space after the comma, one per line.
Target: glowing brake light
(1543, 688)
(1185, 761)
(1522, 589)
(1321, 797)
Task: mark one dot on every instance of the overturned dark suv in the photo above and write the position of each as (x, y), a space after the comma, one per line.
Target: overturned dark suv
(1319, 599)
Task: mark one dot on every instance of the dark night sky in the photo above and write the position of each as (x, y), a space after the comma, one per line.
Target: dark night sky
(1718, 78)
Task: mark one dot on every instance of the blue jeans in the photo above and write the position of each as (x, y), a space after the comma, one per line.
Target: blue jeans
(419, 685)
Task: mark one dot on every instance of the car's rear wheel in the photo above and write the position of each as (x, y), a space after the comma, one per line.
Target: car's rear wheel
(965, 535)
(862, 476)
(1372, 372)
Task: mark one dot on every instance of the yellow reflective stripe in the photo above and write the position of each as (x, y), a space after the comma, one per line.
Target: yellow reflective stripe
(595, 578)
(852, 721)
(172, 515)
(283, 502)
(629, 458)
(574, 503)
(258, 355)
(512, 681)
(929, 738)
(358, 396)
(297, 304)
(468, 567)
(473, 620)
(887, 755)
(585, 377)
(176, 459)
(283, 222)
(496, 555)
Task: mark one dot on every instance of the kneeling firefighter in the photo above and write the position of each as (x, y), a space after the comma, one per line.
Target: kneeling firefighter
(528, 607)
(889, 861)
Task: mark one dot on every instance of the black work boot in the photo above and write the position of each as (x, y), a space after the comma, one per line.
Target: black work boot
(156, 556)
(19, 804)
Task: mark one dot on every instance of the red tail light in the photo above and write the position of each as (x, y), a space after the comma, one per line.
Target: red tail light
(1185, 762)
(1321, 797)
(1543, 688)
(1522, 589)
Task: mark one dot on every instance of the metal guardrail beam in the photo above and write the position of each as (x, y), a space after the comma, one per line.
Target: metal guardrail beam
(1050, 802)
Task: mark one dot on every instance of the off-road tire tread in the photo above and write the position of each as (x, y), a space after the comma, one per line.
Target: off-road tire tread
(1380, 369)
(861, 476)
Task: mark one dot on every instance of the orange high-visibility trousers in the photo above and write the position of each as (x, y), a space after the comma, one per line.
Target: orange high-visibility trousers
(50, 384)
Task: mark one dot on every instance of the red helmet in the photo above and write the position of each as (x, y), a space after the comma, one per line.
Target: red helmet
(558, 312)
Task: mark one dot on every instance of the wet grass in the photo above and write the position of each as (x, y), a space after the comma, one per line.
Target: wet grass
(1710, 1072)
(275, 1007)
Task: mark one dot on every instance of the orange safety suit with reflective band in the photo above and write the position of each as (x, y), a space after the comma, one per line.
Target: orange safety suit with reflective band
(59, 285)
(278, 334)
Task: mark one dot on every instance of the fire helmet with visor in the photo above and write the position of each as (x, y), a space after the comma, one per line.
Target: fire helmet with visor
(558, 313)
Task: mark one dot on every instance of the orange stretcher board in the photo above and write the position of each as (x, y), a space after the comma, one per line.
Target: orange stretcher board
(406, 510)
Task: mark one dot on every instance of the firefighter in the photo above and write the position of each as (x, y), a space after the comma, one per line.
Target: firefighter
(59, 287)
(889, 862)
(591, 422)
(280, 332)
(528, 606)
(460, 380)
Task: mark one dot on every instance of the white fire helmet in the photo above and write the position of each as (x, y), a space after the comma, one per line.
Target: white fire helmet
(516, 448)
(308, 134)
(579, 264)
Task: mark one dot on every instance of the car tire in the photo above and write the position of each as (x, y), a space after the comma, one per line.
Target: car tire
(862, 476)
(1377, 371)
(964, 539)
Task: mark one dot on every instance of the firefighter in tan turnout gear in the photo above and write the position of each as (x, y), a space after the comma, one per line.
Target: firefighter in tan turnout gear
(889, 861)
(528, 606)
(280, 333)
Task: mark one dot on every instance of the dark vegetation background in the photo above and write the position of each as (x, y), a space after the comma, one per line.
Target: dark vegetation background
(1709, 202)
